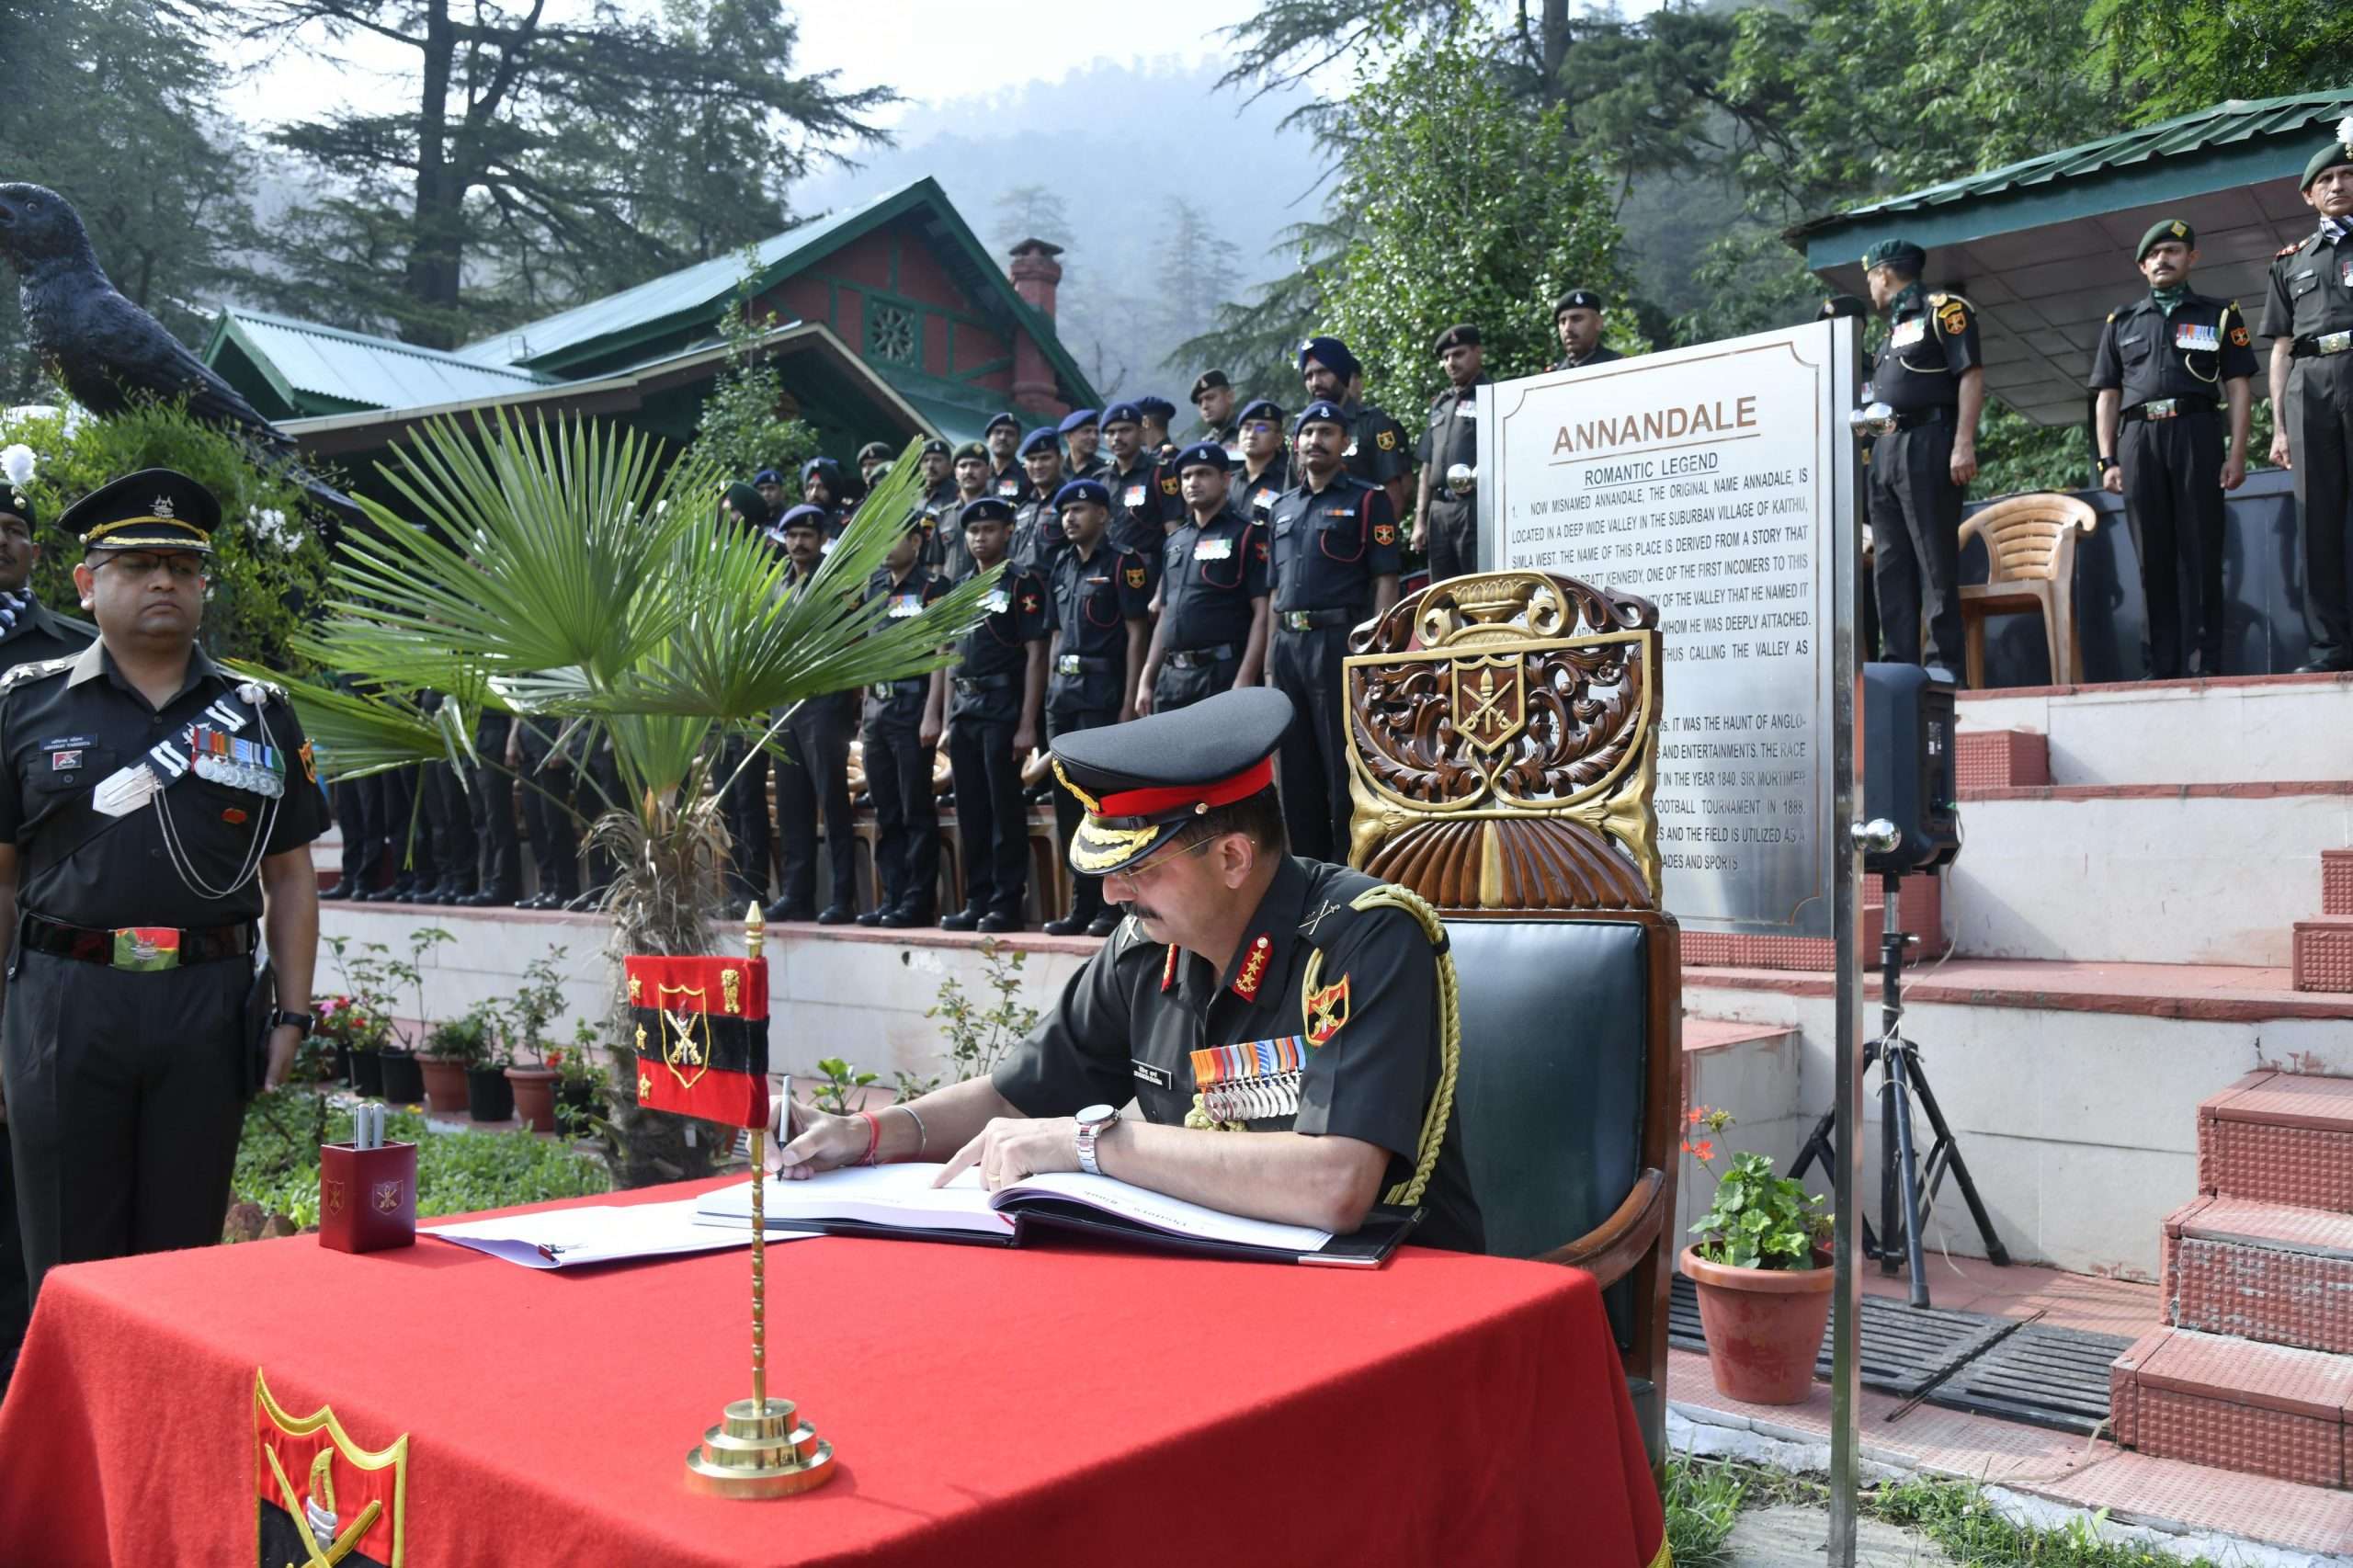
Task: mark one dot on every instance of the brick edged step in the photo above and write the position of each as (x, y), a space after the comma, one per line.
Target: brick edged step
(2336, 881)
(2261, 1271)
(2234, 1404)
(2323, 953)
(2277, 1137)
(2000, 759)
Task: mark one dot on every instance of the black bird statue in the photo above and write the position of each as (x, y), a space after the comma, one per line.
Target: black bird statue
(107, 350)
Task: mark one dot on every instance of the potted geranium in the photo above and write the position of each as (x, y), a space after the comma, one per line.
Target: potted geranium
(489, 1096)
(582, 1091)
(1762, 1269)
(453, 1046)
(523, 1024)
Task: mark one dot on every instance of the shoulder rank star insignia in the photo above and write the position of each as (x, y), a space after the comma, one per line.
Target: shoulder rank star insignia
(1253, 970)
(1327, 1010)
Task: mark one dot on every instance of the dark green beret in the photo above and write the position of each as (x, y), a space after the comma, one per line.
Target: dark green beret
(2162, 229)
(2327, 158)
(1902, 255)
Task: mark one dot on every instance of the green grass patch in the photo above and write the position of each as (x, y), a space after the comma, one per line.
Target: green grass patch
(1973, 1533)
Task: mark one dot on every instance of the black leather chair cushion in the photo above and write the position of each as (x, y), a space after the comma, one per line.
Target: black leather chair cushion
(1556, 1047)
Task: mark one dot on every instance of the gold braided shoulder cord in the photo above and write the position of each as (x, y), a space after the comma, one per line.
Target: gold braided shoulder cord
(1409, 1192)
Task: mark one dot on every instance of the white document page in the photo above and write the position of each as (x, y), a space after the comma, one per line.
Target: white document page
(603, 1232)
(876, 1195)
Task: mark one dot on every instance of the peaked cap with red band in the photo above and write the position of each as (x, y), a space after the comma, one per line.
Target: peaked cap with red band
(1140, 782)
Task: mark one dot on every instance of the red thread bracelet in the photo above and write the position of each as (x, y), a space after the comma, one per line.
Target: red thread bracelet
(873, 1137)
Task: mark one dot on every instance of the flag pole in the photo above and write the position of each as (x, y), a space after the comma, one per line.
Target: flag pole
(756, 932)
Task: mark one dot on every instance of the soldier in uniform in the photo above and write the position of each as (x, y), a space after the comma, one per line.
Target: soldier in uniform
(1931, 372)
(998, 694)
(30, 632)
(450, 829)
(491, 805)
(158, 814)
(552, 794)
(2308, 315)
(1158, 413)
(1335, 564)
(903, 719)
(2167, 367)
(873, 455)
(972, 470)
(768, 485)
(1213, 401)
(1140, 508)
(1263, 471)
(812, 778)
(938, 498)
(1211, 633)
(1376, 451)
(1446, 525)
(821, 486)
(1325, 980)
(1041, 468)
(1002, 437)
(1098, 612)
(1081, 433)
(1577, 316)
(1038, 538)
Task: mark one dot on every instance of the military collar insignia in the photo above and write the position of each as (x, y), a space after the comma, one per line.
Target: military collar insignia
(1254, 968)
(1312, 921)
(1169, 970)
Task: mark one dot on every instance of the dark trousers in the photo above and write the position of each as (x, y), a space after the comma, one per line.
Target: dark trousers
(991, 819)
(405, 827)
(451, 824)
(2319, 422)
(1312, 762)
(907, 813)
(1173, 688)
(1915, 545)
(2173, 502)
(492, 805)
(812, 779)
(15, 1292)
(744, 801)
(1454, 539)
(549, 793)
(363, 845)
(1085, 893)
(600, 791)
(126, 1094)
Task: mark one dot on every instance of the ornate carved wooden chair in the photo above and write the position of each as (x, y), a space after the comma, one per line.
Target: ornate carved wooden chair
(1503, 735)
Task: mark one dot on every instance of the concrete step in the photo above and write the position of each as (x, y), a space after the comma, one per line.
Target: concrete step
(2234, 1404)
(2277, 1137)
(2323, 954)
(2214, 873)
(2263, 1271)
(2196, 732)
(1753, 1070)
(2336, 881)
(1920, 906)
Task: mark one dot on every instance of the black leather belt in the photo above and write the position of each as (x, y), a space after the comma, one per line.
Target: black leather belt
(1201, 658)
(1079, 663)
(2169, 408)
(1912, 418)
(1309, 620)
(970, 684)
(2315, 344)
(136, 946)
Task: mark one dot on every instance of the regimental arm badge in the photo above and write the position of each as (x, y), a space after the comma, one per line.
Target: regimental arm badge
(1327, 1011)
(1384, 534)
(322, 1500)
(1135, 576)
(1952, 316)
(1386, 440)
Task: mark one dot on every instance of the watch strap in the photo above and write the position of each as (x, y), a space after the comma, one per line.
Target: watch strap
(287, 1016)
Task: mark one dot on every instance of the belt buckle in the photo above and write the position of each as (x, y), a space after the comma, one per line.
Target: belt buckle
(1067, 664)
(2334, 342)
(2161, 408)
(147, 948)
(1298, 620)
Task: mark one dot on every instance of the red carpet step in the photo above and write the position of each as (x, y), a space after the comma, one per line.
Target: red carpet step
(2277, 1137)
(2235, 1405)
(2261, 1271)
(2323, 954)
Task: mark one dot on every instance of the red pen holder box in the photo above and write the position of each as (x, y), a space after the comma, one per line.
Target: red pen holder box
(367, 1197)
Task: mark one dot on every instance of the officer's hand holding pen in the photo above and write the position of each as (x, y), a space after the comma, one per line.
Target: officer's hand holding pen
(811, 1140)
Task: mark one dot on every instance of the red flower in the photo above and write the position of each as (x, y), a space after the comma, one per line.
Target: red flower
(1706, 1151)
(553, 1057)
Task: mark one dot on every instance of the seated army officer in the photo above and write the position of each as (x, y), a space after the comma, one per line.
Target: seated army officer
(1247, 992)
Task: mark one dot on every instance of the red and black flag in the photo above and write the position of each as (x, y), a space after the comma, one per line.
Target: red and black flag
(701, 1033)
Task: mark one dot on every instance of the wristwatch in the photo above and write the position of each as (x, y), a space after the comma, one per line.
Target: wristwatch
(2106, 463)
(1093, 1122)
(286, 1017)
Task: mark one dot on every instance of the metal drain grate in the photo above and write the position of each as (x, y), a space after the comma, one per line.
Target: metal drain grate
(1904, 1349)
(2040, 1375)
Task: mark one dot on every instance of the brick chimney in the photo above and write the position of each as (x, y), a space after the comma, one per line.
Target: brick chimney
(1036, 274)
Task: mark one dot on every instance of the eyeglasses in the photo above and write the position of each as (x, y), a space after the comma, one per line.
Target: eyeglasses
(1132, 874)
(183, 568)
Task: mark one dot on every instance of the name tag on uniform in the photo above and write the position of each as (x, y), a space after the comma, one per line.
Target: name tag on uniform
(2194, 339)
(1213, 550)
(905, 604)
(1132, 496)
(1158, 1077)
(998, 602)
(1908, 333)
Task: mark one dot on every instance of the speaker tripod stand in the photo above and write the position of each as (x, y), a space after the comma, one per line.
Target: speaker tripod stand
(1907, 1190)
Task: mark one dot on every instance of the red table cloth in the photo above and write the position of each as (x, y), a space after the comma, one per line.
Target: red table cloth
(1046, 1405)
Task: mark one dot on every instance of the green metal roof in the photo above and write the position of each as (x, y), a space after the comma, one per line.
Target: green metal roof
(2044, 248)
(324, 369)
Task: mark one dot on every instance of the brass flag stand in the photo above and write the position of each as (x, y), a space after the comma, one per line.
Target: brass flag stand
(761, 1448)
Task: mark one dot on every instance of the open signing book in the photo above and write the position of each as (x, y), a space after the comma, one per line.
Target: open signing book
(899, 1201)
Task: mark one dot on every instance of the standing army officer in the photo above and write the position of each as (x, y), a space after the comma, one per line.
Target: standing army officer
(1097, 611)
(1577, 316)
(1211, 634)
(1081, 433)
(1041, 469)
(154, 809)
(1931, 372)
(1213, 401)
(1446, 525)
(2167, 367)
(1002, 437)
(1376, 449)
(1335, 560)
(1141, 510)
(813, 776)
(29, 631)
(2308, 315)
(1263, 471)
(903, 719)
(998, 695)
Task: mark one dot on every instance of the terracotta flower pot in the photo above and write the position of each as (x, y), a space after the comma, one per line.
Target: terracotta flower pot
(534, 1096)
(445, 1082)
(1764, 1326)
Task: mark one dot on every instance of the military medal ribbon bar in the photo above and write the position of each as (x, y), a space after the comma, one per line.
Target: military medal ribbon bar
(700, 1029)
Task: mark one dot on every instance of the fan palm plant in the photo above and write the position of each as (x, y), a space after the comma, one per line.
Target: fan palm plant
(574, 576)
